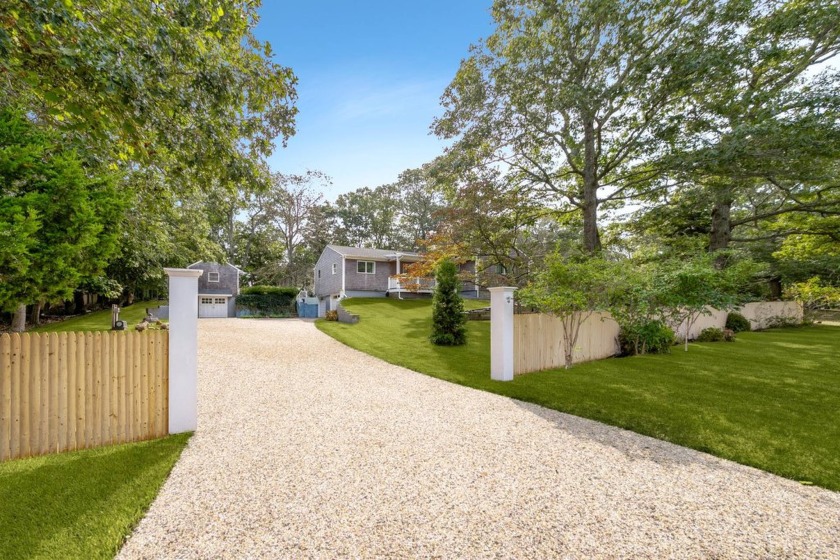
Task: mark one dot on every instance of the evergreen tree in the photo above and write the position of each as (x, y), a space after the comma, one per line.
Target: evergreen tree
(448, 317)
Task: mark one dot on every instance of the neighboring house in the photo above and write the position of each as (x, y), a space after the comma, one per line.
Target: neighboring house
(217, 289)
(359, 272)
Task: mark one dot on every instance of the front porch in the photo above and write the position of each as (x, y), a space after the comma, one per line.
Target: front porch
(411, 285)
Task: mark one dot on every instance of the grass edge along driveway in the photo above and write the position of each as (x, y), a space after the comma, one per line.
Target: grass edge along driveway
(769, 400)
(81, 504)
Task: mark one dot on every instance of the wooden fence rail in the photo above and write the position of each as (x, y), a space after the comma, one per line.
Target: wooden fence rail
(66, 391)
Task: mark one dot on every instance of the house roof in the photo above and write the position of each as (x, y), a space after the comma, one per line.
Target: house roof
(220, 264)
(366, 253)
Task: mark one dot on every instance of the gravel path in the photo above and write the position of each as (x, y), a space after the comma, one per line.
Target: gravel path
(306, 448)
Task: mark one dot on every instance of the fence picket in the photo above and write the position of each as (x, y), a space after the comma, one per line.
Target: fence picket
(25, 396)
(55, 376)
(63, 389)
(5, 396)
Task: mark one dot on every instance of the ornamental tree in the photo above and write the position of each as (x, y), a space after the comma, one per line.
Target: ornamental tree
(572, 289)
(448, 319)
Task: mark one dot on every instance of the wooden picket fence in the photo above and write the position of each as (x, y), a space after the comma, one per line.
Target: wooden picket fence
(66, 391)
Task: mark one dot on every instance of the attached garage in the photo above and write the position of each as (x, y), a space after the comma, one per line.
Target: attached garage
(212, 305)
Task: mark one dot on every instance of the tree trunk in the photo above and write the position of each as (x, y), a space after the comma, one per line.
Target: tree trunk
(35, 318)
(721, 232)
(775, 285)
(19, 320)
(591, 238)
(79, 301)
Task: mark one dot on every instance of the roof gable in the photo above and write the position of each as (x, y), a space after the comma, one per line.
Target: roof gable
(368, 253)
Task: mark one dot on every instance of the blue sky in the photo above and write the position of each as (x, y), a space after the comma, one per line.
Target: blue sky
(371, 74)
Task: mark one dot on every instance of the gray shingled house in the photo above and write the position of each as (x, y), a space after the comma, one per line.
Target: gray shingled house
(361, 272)
(217, 289)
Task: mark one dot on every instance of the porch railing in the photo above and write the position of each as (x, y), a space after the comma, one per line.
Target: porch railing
(411, 284)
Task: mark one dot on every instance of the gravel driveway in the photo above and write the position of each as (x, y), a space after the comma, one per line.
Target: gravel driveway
(306, 448)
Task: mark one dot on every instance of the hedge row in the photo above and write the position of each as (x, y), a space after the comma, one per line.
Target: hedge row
(267, 300)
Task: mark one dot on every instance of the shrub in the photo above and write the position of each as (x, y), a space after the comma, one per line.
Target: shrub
(711, 334)
(270, 290)
(728, 335)
(331, 315)
(782, 322)
(737, 323)
(448, 319)
(653, 337)
(267, 300)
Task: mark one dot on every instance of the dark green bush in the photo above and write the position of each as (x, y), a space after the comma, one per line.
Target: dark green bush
(270, 290)
(711, 334)
(267, 300)
(737, 323)
(448, 319)
(653, 337)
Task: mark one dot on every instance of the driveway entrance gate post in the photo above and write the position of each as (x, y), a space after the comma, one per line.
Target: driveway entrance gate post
(183, 349)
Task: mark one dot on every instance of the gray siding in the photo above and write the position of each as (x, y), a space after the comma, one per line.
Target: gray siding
(377, 282)
(328, 283)
(228, 279)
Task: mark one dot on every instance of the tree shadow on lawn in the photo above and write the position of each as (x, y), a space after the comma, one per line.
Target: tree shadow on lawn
(79, 497)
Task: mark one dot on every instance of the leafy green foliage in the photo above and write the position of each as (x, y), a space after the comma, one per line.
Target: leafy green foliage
(572, 289)
(61, 218)
(651, 337)
(270, 290)
(737, 322)
(267, 300)
(187, 89)
(714, 334)
(814, 294)
(448, 319)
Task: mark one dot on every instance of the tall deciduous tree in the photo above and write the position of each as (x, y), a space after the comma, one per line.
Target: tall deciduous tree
(761, 135)
(369, 217)
(568, 96)
(184, 86)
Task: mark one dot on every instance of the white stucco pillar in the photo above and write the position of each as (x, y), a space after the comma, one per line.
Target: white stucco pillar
(501, 333)
(183, 349)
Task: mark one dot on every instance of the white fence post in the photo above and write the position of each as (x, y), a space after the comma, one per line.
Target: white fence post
(183, 349)
(501, 333)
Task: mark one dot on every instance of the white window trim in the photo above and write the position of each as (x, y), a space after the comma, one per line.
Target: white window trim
(373, 267)
(210, 278)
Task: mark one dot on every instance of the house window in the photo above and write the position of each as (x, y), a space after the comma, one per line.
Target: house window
(319, 273)
(366, 267)
(335, 268)
(501, 269)
(212, 276)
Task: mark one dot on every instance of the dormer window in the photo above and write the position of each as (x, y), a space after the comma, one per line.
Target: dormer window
(213, 277)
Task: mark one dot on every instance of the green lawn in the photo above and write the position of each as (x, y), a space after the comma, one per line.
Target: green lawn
(770, 399)
(100, 320)
(81, 504)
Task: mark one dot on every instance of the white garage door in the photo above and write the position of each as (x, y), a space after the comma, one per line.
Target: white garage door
(212, 307)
